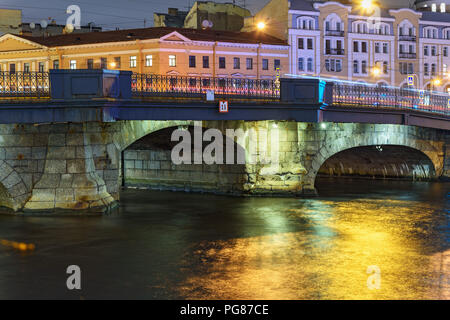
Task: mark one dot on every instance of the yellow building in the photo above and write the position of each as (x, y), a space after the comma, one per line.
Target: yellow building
(166, 51)
(10, 21)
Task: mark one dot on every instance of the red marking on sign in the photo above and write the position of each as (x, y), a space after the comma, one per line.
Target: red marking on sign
(223, 106)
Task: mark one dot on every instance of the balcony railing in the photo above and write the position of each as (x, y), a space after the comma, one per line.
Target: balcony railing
(335, 52)
(24, 84)
(406, 38)
(390, 97)
(334, 33)
(148, 85)
(403, 55)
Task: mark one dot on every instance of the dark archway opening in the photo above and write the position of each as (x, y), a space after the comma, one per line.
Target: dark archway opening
(148, 163)
(379, 162)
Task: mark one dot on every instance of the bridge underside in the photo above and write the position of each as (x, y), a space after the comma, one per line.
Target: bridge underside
(81, 167)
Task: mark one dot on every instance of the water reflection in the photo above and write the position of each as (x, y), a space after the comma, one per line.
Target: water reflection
(175, 245)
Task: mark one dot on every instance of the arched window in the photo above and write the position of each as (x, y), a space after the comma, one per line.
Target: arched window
(334, 23)
(430, 32)
(306, 23)
(406, 28)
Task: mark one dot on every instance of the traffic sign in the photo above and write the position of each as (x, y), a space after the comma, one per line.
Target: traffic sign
(411, 80)
(223, 106)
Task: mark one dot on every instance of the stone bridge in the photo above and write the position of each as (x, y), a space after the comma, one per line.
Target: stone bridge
(68, 166)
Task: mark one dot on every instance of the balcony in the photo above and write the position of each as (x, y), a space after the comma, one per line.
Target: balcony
(334, 52)
(403, 55)
(334, 33)
(407, 38)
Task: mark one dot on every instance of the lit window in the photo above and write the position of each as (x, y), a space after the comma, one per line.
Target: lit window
(73, 64)
(442, 7)
(149, 61)
(133, 62)
(172, 60)
(433, 7)
(26, 67)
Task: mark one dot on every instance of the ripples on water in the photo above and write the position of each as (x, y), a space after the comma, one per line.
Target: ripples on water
(175, 245)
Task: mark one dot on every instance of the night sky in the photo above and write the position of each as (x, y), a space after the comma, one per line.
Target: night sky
(110, 14)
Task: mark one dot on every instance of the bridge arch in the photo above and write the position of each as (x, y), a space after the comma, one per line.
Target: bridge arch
(13, 191)
(403, 140)
(148, 162)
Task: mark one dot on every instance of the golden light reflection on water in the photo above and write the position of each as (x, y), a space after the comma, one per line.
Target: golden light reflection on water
(328, 257)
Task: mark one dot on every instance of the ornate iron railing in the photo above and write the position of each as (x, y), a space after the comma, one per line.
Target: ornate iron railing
(196, 87)
(390, 97)
(24, 84)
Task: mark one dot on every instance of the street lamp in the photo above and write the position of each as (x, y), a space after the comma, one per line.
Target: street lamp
(261, 25)
(112, 65)
(376, 71)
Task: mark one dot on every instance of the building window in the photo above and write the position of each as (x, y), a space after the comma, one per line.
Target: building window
(73, 64)
(149, 61)
(355, 46)
(425, 51)
(117, 63)
(90, 64)
(338, 65)
(445, 50)
(222, 63)
(327, 65)
(364, 67)
(385, 48)
(277, 64)
(364, 47)
(26, 67)
(410, 68)
(103, 63)
(172, 60)
(385, 67)
(133, 62)
(265, 64)
(310, 44)
(56, 64)
(301, 44)
(192, 62)
(403, 68)
(41, 67)
(237, 63)
(301, 66)
(205, 62)
(426, 70)
(355, 66)
(433, 69)
(310, 65)
(433, 51)
(249, 63)
(377, 47)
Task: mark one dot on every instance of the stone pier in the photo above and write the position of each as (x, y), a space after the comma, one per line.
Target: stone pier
(81, 167)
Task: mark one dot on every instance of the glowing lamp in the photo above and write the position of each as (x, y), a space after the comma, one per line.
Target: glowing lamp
(261, 25)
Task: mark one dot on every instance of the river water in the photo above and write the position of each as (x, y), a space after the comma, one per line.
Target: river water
(164, 245)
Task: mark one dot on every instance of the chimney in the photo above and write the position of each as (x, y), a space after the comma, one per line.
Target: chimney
(173, 11)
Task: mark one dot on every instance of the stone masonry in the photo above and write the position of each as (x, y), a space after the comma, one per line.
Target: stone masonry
(65, 166)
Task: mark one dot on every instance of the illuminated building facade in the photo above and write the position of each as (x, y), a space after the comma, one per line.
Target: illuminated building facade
(162, 51)
(341, 41)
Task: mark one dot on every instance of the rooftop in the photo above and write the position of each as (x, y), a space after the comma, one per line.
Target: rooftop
(154, 33)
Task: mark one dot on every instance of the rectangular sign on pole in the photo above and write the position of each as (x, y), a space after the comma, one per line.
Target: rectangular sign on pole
(223, 106)
(411, 81)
